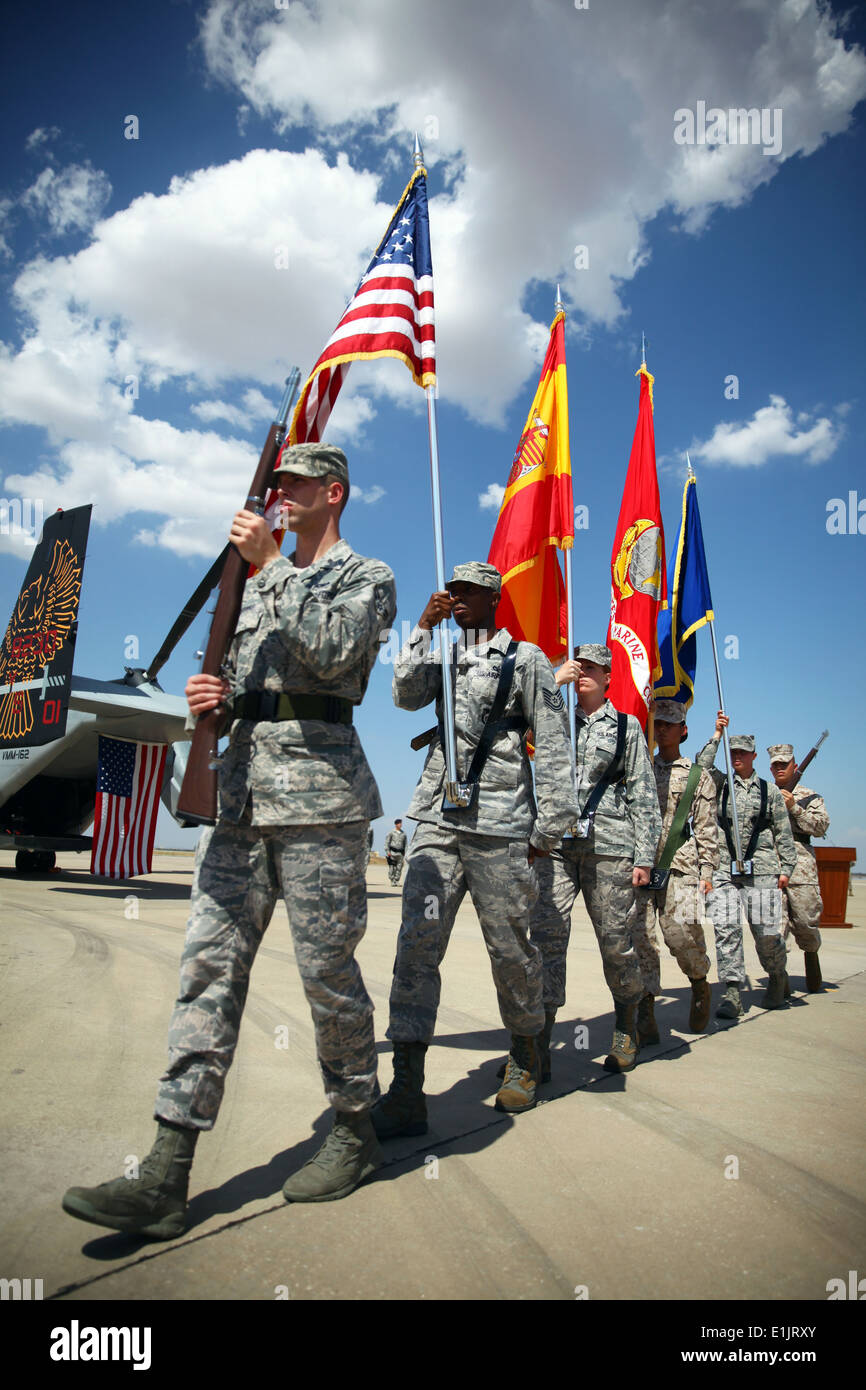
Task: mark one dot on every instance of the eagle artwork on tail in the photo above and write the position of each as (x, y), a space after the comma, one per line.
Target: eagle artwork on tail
(37, 631)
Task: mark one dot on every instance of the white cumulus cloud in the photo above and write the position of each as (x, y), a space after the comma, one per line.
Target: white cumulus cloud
(490, 500)
(70, 199)
(772, 432)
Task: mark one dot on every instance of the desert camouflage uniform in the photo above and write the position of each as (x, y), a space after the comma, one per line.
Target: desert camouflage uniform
(484, 847)
(680, 906)
(295, 800)
(801, 900)
(754, 895)
(625, 833)
(395, 852)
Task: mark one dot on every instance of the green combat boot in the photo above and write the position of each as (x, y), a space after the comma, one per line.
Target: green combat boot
(154, 1203)
(349, 1155)
(403, 1110)
(625, 1046)
(813, 971)
(699, 1013)
(647, 1028)
(731, 1005)
(518, 1088)
(776, 992)
(543, 1042)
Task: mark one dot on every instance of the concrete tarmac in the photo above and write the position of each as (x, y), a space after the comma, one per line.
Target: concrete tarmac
(725, 1166)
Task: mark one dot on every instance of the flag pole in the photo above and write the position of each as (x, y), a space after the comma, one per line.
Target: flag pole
(726, 741)
(445, 637)
(559, 308)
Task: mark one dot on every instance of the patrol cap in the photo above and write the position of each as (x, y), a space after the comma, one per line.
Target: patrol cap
(594, 651)
(745, 743)
(477, 572)
(669, 711)
(314, 461)
(781, 752)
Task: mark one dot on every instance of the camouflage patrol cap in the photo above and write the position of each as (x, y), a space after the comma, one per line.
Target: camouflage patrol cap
(745, 743)
(669, 712)
(594, 651)
(477, 572)
(314, 461)
(780, 752)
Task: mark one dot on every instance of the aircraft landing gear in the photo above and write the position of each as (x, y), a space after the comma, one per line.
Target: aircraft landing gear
(35, 861)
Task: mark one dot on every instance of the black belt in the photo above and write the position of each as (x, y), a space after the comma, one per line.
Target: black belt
(272, 705)
(801, 838)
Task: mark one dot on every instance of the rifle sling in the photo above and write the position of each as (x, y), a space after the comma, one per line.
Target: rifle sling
(675, 838)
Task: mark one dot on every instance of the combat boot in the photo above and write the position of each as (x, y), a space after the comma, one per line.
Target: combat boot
(775, 995)
(699, 1013)
(625, 1046)
(647, 1028)
(349, 1155)
(543, 1042)
(403, 1110)
(813, 971)
(518, 1089)
(731, 1005)
(154, 1203)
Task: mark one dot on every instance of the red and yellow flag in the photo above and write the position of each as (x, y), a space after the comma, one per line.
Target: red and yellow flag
(537, 514)
(637, 570)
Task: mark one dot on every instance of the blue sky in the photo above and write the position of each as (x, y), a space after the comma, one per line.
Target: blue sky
(155, 291)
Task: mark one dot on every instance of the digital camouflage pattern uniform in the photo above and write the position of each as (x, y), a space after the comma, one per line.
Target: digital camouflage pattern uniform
(801, 900)
(482, 849)
(756, 894)
(625, 833)
(680, 906)
(295, 799)
(395, 852)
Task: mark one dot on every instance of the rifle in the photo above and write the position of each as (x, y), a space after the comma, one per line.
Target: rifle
(197, 802)
(801, 767)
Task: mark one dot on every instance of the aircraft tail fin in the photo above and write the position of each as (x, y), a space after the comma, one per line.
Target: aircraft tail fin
(37, 651)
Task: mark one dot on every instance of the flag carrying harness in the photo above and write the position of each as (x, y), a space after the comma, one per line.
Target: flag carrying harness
(494, 725)
(612, 774)
(762, 823)
(678, 833)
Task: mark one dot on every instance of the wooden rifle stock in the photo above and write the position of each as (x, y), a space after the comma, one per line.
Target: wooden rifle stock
(801, 768)
(197, 803)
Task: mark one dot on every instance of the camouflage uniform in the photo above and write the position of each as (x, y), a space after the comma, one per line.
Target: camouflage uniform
(756, 894)
(680, 906)
(801, 900)
(625, 833)
(369, 844)
(395, 852)
(482, 848)
(295, 799)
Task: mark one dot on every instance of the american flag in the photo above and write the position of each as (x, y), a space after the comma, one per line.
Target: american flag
(127, 801)
(389, 315)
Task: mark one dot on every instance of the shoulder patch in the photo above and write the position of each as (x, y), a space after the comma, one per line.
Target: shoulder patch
(553, 699)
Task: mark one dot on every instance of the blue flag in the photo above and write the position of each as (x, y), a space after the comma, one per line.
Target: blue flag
(689, 605)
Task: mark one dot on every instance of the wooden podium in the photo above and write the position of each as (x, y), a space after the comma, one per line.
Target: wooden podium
(834, 868)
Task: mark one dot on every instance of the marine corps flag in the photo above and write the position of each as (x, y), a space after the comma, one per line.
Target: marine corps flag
(690, 605)
(537, 514)
(637, 566)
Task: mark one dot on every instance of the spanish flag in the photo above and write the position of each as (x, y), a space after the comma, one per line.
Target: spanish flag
(537, 514)
(637, 569)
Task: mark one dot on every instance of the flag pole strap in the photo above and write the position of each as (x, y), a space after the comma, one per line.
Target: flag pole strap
(733, 802)
(570, 631)
(445, 636)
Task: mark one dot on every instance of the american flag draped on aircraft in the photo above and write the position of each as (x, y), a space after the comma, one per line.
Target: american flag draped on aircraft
(127, 801)
(389, 315)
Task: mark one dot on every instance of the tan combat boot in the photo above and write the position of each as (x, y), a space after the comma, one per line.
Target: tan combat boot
(813, 972)
(543, 1041)
(154, 1203)
(699, 1013)
(625, 1047)
(518, 1089)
